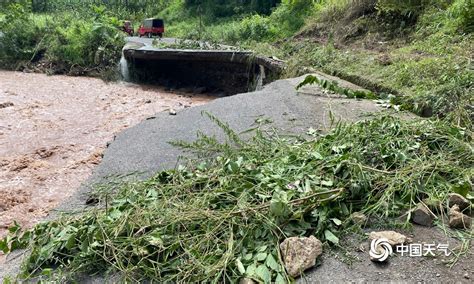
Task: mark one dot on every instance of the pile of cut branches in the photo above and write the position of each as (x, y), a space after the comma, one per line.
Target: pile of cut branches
(221, 217)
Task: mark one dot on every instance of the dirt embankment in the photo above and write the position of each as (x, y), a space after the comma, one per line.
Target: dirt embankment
(53, 130)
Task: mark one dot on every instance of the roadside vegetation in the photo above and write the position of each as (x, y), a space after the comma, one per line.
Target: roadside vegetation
(221, 217)
(60, 43)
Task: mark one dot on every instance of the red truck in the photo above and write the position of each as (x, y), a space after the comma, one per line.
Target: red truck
(152, 27)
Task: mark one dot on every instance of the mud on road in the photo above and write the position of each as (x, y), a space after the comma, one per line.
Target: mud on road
(53, 130)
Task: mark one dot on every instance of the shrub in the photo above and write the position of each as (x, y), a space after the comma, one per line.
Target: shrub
(462, 11)
(256, 27)
(19, 41)
(407, 8)
(84, 44)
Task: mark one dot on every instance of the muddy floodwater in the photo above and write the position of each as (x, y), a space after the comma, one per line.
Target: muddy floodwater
(54, 129)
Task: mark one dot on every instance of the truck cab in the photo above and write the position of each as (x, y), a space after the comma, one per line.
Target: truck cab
(151, 27)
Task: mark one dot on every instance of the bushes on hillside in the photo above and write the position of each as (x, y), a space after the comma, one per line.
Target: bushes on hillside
(256, 28)
(407, 8)
(18, 40)
(83, 44)
(64, 43)
(462, 14)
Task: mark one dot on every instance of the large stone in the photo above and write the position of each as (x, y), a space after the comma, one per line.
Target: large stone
(300, 254)
(459, 200)
(246, 281)
(393, 237)
(458, 220)
(358, 218)
(421, 215)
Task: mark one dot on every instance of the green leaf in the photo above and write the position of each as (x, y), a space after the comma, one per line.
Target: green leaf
(155, 241)
(280, 279)
(462, 188)
(327, 183)
(336, 221)
(251, 270)
(262, 248)
(331, 237)
(71, 242)
(309, 80)
(15, 228)
(240, 266)
(272, 263)
(263, 273)
(233, 167)
(261, 256)
(4, 246)
(47, 272)
(317, 155)
(279, 203)
(248, 256)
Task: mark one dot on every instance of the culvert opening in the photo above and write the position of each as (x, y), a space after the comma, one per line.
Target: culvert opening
(212, 72)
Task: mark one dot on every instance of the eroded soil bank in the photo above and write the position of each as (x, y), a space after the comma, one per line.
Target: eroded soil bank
(53, 130)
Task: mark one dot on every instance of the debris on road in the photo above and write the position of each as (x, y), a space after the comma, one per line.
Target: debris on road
(300, 254)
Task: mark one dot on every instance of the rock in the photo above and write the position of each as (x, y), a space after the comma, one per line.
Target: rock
(172, 111)
(300, 254)
(393, 237)
(421, 215)
(459, 200)
(459, 220)
(466, 275)
(6, 104)
(358, 218)
(246, 281)
(148, 101)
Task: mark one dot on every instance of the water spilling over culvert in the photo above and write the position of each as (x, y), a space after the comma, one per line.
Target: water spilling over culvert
(124, 69)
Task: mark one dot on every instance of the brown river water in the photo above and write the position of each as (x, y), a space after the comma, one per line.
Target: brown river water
(54, 129)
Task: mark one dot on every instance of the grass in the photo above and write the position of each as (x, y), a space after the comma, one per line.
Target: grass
(221, 217)
(441, 84)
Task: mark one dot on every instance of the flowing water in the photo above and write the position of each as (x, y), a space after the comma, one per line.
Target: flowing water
(123, 64)
(53, 130)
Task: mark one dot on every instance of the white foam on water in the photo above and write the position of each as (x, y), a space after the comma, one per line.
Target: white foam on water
(124, 69)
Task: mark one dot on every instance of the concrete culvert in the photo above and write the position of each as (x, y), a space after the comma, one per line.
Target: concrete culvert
(217, 72)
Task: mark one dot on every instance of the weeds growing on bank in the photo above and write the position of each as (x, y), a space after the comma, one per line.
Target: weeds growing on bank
(222, 217)
(420, 51)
